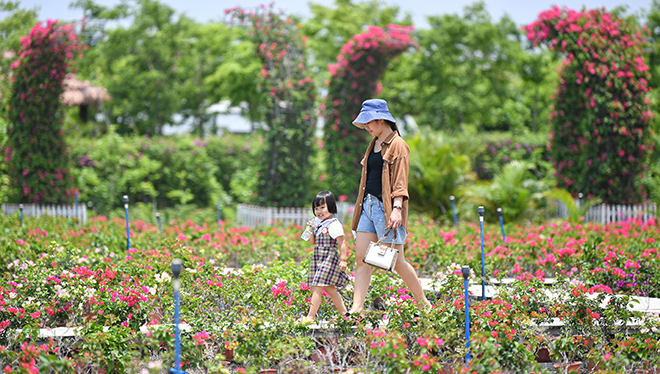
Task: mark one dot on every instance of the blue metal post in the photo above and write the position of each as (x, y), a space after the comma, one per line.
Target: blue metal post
(20, 207)
(177, 265)
(466, 274)
(453, 209)
(128, 232)
(483, 256)
(75, 205)
(160, 227)
(219, 212)
(580, 195)
(499, 213)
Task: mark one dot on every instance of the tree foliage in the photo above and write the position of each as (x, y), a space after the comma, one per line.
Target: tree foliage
(16, 24)
(600, 127)
(36, 151)
(331, 27)
(354, 78)
(467, 71)
(289, 110)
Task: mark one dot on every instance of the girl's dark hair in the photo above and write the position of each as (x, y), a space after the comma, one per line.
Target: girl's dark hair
(393, 126)
(325, 197)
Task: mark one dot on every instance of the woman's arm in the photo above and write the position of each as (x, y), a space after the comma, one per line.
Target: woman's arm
(342, 252)
(395, 217)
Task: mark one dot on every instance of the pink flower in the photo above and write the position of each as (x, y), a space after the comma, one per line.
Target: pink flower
(35, 315)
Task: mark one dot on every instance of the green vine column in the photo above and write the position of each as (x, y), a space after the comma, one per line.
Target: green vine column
(354, 77)
(36, 152)
(285, 174)
(600, 138)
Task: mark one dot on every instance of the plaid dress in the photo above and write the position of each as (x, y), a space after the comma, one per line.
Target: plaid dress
(324, 267)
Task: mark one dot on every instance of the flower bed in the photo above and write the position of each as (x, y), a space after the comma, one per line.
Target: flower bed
(58, 274)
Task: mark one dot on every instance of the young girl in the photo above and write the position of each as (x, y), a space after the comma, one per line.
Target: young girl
(327, 270)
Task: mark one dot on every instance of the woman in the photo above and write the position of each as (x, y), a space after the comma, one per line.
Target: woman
(382, 202)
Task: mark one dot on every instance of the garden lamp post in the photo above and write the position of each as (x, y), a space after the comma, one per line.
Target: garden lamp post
(483, 256)
(466, 275)
(177, 266)
(160, 227)
(499, 213)
(580, 196)
(75, 206)
(128, 232)
(219, 212)
(453, 209)
(20, 207)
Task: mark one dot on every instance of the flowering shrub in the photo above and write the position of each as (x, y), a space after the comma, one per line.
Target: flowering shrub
(290, 91)
(36, 152)
(600, 124)
(354, 77)
(59, 274)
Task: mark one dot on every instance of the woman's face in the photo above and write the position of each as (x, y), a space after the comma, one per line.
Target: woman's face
(376, 127)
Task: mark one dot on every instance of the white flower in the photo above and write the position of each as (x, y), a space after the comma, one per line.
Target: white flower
(12, 295)
(163, 277)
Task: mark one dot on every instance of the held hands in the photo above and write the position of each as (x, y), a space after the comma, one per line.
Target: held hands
(342, 265)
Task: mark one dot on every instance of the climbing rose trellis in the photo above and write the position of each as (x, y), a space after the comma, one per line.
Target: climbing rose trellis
(285, 78)
(36, 151)
(600, 134)
(354, 78)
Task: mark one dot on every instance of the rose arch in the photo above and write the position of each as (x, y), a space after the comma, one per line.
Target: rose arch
(354, 77)
(600, 133)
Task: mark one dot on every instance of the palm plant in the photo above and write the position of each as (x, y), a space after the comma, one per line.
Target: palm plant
(575, 211)
(513, 189)
(438, 169)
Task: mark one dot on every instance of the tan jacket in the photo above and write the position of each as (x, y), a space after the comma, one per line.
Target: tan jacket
(396, 160)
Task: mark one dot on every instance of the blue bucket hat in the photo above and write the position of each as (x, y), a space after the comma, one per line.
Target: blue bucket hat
(373, 109)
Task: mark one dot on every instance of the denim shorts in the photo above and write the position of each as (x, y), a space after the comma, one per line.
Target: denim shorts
(372, 219)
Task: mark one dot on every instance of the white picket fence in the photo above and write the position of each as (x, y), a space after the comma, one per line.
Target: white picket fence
(38, 210)
(606, 213)
(252, 215)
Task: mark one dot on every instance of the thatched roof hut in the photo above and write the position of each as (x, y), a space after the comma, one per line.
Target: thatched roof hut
(82, 94)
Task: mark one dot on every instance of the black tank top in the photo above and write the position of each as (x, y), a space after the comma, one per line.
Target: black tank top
(375, 175)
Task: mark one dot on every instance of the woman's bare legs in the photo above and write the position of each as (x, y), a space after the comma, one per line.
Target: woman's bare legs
(363, 273)
(362, 270)
(409, 277)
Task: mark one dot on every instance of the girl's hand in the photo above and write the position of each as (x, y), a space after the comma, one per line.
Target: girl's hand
(342, 265)
(395, 219)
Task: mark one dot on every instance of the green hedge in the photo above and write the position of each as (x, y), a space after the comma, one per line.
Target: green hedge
(168, 172)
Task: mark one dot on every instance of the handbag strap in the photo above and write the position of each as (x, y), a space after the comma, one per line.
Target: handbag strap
(387, 231)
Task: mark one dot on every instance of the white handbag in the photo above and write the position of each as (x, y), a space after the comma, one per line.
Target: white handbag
(380, 255)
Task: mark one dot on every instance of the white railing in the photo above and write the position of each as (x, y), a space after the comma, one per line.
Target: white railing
(606, 213)
(37, 210)
(252, 215)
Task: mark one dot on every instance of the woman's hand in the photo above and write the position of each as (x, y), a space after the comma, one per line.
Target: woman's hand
(395, 219)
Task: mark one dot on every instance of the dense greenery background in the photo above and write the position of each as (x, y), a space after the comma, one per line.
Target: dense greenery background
(473, 96)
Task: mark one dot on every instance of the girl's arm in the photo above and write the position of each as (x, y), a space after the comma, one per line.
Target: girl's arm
(313, 237)
(341, 241)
